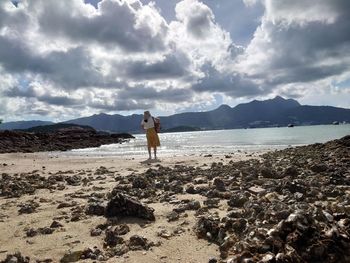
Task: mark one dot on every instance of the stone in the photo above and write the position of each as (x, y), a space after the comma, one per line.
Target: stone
(219, 184)
(95, 208)
(74, 180)
(138, 243)
(172, 216)
(122, 205)
(207, 228)
(319, 168)
(237, 200)
(56, 224)
(16, 258)
(256, 190)
(291, 171)
(140, 182)
(72, 256)
(212, 202)
(121, 229)
(28, 208)
(45, 230)
(96, 232)
(112, 238)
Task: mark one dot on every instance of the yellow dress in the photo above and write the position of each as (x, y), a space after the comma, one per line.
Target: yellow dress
(152, 138)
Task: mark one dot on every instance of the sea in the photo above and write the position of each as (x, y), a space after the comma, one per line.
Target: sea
(218, 142)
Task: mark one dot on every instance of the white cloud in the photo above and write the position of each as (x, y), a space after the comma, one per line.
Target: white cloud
(301, 12)
(124, 55)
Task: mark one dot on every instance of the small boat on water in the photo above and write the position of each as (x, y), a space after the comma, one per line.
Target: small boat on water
(290, 125)
(335, 122)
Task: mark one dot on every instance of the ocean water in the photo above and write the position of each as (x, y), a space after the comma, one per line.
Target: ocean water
(222, 141)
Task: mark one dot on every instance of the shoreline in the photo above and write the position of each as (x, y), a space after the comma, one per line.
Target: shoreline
(52, 208)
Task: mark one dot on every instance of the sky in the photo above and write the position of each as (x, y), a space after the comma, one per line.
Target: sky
(65, 59)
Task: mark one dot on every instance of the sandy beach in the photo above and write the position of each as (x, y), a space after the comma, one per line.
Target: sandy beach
(291, 205)
(178, 244)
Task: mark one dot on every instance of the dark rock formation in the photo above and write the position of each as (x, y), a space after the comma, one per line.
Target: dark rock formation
(122, 205)
(61, 140)
(16, 258)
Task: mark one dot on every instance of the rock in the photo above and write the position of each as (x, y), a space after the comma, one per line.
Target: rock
(256, 190)
(96, 232)
(97, 209)
(193, 205)
(122, 205)
(74, 180)
(291, 171)
(319, 168)
(237, 200)
(45, 230)
(31, 232)
(72, 256)
(138, 243)
(213, 260)
(267, 172)
(164, 234)
(94, 254)
(119, 250)
(122, 229)
(28, 208)
(16, 258)
(208, 227)
(219, 184)
(66, 204)
(190, 189)
(56, 224)
(56, 139)
(212, 202)
(112, 238)
(235, 213)
(172, 216)
(140, 182)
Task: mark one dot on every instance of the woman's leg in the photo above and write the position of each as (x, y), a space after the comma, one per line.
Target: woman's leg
(149, 152)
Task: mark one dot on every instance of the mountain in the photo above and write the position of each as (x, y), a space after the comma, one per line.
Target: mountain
(51, 128)
(19, 125)
(113, 123)
(267, 113)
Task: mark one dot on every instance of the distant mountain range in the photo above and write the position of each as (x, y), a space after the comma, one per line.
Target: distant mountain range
(21, 125)
(268, 113)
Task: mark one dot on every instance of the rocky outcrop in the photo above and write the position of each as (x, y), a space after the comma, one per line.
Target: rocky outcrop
(60, 140)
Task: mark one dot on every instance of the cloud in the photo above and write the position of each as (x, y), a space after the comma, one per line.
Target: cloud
(234, 85)
(58, 58)
(172, 65)
(197, 17)
(301, 12)
(152, 95)
(129, 25)
(299, 48)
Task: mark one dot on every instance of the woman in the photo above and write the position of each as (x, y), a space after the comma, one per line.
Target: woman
(148, 124)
